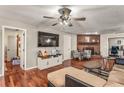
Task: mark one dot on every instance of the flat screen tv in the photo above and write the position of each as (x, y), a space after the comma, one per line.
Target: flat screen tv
(48, 39)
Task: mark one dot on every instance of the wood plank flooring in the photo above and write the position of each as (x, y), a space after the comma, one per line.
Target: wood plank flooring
(16, 77)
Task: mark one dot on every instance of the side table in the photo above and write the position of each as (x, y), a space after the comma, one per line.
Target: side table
(108, 63)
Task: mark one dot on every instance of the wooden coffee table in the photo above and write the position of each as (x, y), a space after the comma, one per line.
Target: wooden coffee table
(92, 65)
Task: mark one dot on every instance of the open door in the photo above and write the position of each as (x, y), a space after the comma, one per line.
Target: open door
(22, 50)
(11, 47)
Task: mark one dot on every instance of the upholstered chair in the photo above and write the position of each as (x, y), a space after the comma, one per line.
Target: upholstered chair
(87, 54)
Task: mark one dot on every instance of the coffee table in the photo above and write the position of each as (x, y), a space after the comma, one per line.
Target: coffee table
(92, 65)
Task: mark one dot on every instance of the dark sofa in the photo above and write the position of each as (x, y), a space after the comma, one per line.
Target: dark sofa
(120, 61)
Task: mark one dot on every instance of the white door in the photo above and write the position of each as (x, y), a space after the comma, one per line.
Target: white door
(67, 47)
(11, 47)
(22, 49)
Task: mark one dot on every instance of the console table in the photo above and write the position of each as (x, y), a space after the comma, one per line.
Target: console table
(44, 63)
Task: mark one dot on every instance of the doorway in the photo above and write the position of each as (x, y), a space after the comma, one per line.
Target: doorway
(67, 47)
(116, 46)
(13, 47)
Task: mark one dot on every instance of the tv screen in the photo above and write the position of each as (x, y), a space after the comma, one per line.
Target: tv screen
(48, 39)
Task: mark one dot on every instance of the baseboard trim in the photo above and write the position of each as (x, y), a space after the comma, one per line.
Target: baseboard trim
(31, 68)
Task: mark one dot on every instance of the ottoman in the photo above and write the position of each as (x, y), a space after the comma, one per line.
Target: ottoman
(57, 78)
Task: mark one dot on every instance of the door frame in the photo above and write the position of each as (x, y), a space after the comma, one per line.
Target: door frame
(3, 33)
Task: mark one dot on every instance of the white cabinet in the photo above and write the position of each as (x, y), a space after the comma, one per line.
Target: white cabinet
(42, 63)
(49, 62)
(59, 60)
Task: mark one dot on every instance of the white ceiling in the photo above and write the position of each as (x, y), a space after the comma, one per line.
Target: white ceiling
(101, 19)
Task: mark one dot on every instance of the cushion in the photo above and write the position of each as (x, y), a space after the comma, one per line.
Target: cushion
(58, 77)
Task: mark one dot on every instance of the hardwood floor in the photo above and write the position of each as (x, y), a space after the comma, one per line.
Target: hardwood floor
(16, 77)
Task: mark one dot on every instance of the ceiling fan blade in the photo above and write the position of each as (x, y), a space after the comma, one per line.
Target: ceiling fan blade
(54, 24)
(80, 19)
(70, 25)
(49, 17)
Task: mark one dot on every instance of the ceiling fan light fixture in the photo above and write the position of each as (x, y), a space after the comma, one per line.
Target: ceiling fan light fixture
(65, 22)
(65, 17)
(61, 23)
(65, 11)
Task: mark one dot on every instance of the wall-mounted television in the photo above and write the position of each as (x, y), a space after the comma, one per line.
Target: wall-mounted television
(48, 39)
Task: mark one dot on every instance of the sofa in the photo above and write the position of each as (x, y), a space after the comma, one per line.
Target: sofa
(120, 61)
(73, 77)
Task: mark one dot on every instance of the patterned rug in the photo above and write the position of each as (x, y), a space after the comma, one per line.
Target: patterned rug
(100, 73)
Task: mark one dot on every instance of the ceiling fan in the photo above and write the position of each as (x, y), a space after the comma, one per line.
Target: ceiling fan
(65, 17)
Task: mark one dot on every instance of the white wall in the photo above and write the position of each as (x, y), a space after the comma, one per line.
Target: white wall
(0, 52)
(104, 46)
(33, 45)
(73, 42)
(32, 48)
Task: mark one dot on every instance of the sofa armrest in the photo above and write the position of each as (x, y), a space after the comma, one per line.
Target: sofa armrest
(73, 82)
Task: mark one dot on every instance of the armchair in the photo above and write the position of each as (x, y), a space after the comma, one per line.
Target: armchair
(75, 54)
(87, 54)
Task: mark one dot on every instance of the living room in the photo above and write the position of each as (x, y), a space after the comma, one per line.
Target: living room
(53, 46)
